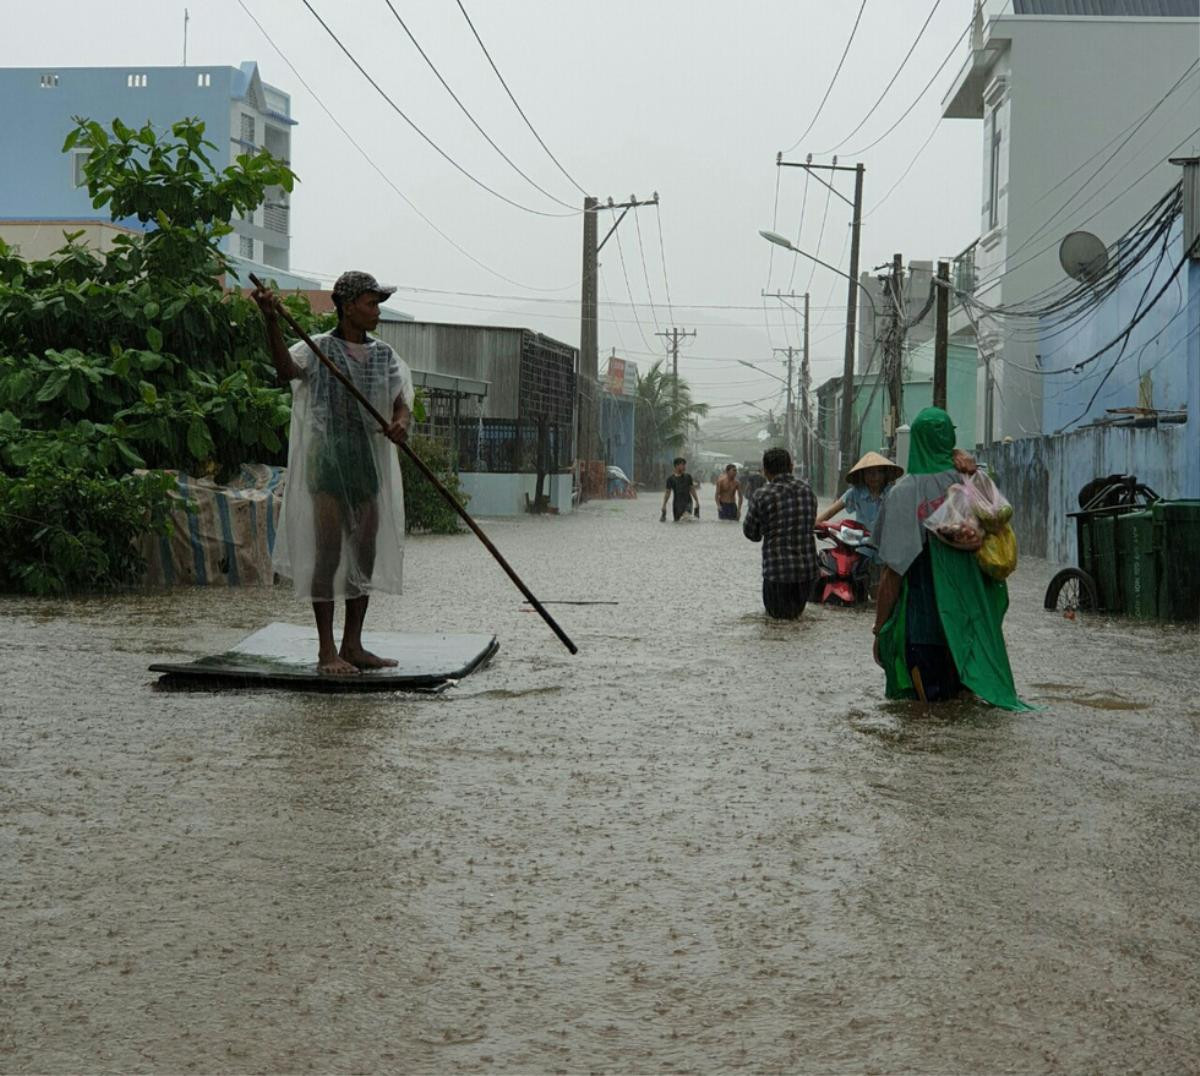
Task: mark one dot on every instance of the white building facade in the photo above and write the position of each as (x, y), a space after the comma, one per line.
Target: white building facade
(1081, 103)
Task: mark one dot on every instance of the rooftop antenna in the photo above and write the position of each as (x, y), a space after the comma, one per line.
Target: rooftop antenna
(185, 22)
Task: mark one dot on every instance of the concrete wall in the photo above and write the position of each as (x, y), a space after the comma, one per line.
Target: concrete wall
(504, 494)
(1042, 477)
(1152, 370)
(1073, 85)
(36, 240)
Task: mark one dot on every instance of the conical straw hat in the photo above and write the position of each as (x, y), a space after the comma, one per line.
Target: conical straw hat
(874, 459)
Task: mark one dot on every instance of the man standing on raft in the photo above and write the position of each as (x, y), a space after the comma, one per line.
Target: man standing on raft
(342, 525)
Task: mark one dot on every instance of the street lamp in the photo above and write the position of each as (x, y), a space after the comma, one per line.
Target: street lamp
(847, 420)
(760, 370)
(787, 244)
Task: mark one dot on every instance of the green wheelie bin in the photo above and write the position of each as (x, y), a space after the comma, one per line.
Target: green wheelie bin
(1137, 564)
(1178, 539)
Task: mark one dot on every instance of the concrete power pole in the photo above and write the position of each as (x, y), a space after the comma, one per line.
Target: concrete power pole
(847, 440)
(673, 336)
(941, 339)
(805, 389)
(789, 417)
(587, 392)
(894, 362)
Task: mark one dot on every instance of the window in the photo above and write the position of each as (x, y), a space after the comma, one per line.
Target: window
(78, 160)
(137, 82)
(49, 81)
(204, 79)
(994, 168)
(246, 247)
(247, 129)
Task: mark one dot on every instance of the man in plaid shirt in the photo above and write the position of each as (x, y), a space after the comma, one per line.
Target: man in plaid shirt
(781, 516)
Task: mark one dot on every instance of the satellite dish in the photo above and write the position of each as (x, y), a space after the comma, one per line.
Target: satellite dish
(1084, 256)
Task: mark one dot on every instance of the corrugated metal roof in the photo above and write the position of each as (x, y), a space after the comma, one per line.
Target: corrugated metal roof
(1142, 9)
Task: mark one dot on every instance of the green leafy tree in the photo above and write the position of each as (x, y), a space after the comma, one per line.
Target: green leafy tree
(135, 359)
(664, 412)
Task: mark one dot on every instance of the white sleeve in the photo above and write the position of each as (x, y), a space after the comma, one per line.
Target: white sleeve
(303, 357)
(400, 381)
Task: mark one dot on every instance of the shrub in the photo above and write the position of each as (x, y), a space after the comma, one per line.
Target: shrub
(424, 508)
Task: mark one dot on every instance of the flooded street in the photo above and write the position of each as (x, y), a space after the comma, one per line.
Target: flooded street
(705, 843)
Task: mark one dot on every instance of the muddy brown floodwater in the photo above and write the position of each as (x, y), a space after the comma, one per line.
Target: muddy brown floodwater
(707, 843)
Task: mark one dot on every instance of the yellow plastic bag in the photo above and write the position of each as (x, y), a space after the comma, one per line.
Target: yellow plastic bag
(998, 554)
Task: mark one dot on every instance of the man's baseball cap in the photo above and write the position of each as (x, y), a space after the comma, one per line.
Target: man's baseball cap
(350, 285)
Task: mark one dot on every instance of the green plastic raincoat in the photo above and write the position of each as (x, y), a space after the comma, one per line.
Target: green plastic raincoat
(970, 605)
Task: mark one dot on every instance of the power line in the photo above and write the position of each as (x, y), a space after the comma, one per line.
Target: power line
(891, 82)
(383, 175)
(1105, 163)
(916, 100)
(575, 302)
(662, 253)
(466, 112)
(629, 290)
(637, 223)
(513, 99)
(832, 81)
(404, 116)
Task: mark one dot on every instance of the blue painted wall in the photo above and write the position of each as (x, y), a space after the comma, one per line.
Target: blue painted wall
(1191, 480)
(37, 178)
(1157, 349)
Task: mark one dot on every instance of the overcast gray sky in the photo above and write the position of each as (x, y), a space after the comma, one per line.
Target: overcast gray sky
(690, 98)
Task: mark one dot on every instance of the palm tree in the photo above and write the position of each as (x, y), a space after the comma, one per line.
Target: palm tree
(663, 416)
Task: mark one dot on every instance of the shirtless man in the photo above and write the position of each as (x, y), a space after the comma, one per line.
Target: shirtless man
(729, 495)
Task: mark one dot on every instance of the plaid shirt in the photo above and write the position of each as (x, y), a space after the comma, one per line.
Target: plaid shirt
(782, 515)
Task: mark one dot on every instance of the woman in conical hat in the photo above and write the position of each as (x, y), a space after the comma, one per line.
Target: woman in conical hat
(868, 480)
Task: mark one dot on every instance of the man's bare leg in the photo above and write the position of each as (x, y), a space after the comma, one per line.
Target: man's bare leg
(328, 525)
(353, 650)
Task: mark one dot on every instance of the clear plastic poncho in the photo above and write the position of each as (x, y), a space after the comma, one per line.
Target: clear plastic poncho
(342, 522)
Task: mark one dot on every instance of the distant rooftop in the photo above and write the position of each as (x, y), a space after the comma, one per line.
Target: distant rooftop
(1129, 9)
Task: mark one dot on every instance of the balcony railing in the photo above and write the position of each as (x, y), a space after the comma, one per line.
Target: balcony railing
(962, 271)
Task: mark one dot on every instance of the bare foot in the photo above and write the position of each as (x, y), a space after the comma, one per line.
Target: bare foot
(364, 659)
(335, 665)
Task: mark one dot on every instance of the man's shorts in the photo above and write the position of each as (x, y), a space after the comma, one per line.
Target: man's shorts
(681, 509)
(343, 465)
(727, 511)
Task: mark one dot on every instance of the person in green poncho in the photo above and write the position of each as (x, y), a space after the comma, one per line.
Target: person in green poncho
(937, 617)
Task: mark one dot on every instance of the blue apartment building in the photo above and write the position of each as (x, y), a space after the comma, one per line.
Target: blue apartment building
(42, 191)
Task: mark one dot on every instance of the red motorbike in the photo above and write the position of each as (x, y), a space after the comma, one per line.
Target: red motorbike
(843, 568)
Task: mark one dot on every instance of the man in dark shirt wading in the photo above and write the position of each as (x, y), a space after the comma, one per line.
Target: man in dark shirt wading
(681, 486)
(781, 516)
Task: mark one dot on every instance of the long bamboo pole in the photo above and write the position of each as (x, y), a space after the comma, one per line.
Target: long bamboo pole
(424, 469)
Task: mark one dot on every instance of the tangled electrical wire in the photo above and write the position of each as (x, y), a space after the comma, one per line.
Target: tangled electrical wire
(1059, 310)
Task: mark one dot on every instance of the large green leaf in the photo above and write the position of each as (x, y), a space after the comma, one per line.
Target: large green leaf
(53, 386)
(199, 441)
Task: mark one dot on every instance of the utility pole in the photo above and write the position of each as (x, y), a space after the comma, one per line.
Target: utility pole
(847, 439)
(847, 432)
(805, 436)
(894, 364)
(941, 339)
(674, 335)
(805, 389)
(587, 392)
(789, 423)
